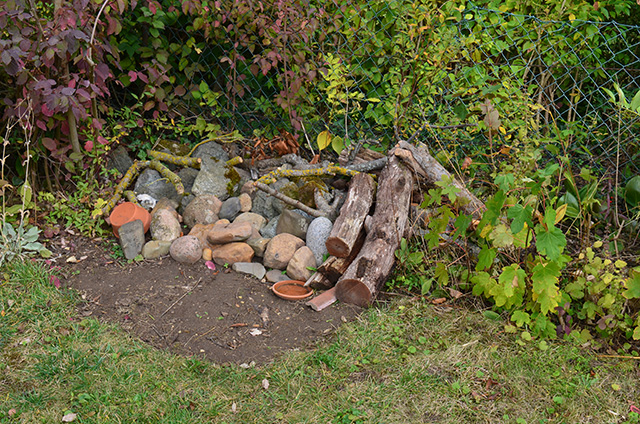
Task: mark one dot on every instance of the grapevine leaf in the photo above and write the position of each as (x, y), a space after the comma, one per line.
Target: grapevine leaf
(494, 207)
(483, 284)
(461, 225)
(485, 258)
(545, 288)
(520, 318)
(504, 181)
(633, 286)
(550, 241)
(501, 236)
(520, 215)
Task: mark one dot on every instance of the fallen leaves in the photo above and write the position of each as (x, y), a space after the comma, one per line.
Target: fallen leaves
(70, 417)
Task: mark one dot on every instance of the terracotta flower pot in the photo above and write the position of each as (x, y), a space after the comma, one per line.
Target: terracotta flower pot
(291, 290)
(127, 212)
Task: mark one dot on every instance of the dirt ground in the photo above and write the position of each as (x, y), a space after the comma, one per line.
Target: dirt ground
(192, 310)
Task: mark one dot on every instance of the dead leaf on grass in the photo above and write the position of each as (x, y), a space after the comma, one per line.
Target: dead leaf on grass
(69, 417)
(265, 384)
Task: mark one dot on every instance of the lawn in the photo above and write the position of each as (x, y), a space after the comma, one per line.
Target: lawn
(402, 361)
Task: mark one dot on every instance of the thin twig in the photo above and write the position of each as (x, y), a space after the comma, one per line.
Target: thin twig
(619, 357)
(181, 297)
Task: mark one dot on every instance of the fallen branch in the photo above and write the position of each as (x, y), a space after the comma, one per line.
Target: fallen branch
(430, 169)
(286, 173)
(176, 160)
(288, 200)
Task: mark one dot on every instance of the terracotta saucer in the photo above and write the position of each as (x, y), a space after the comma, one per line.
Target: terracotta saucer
(291, 290)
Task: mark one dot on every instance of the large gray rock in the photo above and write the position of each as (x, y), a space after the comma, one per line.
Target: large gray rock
(119, 159)
(164, 225)
(202, 210)
(268, 206)
(188, 176)
(269, 230)
(251, 268)
(216, 178)
(230, 208)
(210, 150)
(293, 223)
(186, 250)
(317, 235)
(155, 185)
(131, 238)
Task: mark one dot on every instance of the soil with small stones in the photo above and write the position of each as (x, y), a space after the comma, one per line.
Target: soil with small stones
(192, 310)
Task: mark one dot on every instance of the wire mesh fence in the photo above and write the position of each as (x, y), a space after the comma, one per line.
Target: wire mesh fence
(396, 69)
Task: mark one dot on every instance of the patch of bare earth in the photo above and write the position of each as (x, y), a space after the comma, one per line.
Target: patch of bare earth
(191, 310)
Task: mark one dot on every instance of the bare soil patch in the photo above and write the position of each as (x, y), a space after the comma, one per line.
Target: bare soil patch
(191, 310)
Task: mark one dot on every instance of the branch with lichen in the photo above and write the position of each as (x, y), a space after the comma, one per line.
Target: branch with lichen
(169, 175)
(131, 173)
(176, 160)
(131, 197)
(272, 176)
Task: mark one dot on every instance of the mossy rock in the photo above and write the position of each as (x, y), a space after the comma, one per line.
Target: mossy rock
(234, 180)
(175, 148)
(307, 187)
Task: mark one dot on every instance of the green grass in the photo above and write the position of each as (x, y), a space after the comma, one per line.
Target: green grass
(404, 362)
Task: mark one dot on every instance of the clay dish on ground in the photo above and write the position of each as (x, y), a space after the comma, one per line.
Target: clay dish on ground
(291, 290)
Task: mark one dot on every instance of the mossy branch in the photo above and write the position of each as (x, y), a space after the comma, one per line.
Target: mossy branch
(272, 176)
(176, 160)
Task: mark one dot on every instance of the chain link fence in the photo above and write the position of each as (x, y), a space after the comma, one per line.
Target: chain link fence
(393, 69)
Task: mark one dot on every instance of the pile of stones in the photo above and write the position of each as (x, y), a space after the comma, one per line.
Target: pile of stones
(226, 220)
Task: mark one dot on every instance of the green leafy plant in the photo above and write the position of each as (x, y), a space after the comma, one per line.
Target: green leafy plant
(20, 242)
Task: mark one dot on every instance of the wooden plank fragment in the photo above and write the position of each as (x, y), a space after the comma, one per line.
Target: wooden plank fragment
(323, 300)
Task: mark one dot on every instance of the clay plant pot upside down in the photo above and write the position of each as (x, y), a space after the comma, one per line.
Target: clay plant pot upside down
(127, 212)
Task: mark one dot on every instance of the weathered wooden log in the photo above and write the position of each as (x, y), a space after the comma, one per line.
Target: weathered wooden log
(371, 267)
(430, 169)
(349, 224)
(328, 274)
(362, 155)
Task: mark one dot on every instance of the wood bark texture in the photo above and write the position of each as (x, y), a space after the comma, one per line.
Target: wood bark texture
(333, 268)
(349, 224)
(430, 169)
(371, 267)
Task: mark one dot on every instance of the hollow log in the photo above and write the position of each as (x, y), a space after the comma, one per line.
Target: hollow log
(369, 270)
(430, 169)
(349, 224)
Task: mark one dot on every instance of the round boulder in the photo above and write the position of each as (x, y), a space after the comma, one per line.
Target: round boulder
(186, 250)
